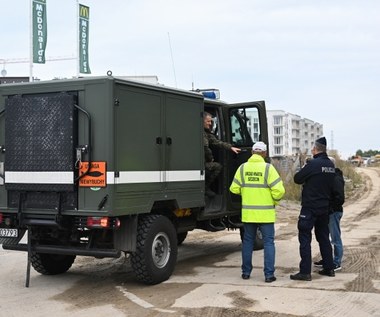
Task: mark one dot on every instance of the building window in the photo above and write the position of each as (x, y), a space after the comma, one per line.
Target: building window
(277, 130)
(277, 120)
(277, 150)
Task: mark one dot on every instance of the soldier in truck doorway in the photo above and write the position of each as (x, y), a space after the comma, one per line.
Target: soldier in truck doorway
(212, 168)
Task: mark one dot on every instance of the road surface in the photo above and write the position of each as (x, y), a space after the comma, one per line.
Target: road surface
(207, 281)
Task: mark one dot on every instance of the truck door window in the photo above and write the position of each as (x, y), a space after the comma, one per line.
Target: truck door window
(245, 129)
(215, 126)
(215, 129)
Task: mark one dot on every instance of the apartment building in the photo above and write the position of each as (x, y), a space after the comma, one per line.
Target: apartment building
(290, 134)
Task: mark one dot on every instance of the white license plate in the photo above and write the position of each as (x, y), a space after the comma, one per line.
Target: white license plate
(9, 233)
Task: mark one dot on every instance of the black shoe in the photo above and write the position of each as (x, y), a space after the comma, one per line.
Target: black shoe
(209, 193)
(245, 276)
(270, 279)
(326, 272)
(300, 277)
(319, 263)
(337, 267)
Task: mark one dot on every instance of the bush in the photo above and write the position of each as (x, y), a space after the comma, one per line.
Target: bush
(293, 191)
(352, 178)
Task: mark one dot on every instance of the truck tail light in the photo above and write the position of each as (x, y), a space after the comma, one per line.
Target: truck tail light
(103, 222)
(98, 222)
(6, 219)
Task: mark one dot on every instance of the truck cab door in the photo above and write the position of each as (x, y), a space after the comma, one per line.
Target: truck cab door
(246, 124)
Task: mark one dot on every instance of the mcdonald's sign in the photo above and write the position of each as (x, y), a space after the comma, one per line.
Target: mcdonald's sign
(84, 12)
(84, 24)
(39, 30)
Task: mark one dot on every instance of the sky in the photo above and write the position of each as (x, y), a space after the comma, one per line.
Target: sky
(317, 59)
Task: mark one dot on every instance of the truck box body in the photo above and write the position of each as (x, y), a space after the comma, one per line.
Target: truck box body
(148, 139)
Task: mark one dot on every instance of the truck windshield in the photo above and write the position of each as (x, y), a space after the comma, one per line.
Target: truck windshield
(245, 129)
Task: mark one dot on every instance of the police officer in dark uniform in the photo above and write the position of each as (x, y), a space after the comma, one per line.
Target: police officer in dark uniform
(209, 141)
(317, 177)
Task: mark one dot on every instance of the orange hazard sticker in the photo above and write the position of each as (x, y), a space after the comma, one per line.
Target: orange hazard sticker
(96, 176)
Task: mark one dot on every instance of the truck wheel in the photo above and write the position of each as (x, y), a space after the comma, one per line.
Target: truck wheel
(156, 249)
(181, 237)
(259, 243)
(51, 264)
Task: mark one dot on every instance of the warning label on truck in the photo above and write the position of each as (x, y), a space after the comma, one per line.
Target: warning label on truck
(96, 176)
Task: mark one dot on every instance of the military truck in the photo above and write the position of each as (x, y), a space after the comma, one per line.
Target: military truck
(104, 166)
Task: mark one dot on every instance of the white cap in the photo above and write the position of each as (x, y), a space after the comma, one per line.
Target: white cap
(259, 147)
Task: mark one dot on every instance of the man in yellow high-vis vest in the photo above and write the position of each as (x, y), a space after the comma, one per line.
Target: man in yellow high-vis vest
(261, 188)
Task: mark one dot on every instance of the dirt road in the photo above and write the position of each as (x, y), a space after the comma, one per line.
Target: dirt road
(207, 280)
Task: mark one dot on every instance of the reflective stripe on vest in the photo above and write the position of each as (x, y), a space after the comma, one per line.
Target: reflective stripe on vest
(257, 207)
(265, 185)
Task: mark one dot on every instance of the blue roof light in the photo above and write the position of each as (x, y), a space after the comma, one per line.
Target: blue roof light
(210, 93)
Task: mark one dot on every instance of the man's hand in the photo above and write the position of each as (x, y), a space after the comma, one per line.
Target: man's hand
(236, 150)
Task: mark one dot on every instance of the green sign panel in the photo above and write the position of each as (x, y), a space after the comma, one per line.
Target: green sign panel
(39, 31)
(84, 21)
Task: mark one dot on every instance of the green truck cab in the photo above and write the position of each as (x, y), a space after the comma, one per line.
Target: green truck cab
(102, 166)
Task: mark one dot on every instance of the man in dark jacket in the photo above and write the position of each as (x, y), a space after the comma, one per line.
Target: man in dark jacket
(336, 213)
(317, 177)
(210, 141)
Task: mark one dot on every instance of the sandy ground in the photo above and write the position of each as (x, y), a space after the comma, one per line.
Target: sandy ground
(207, 280)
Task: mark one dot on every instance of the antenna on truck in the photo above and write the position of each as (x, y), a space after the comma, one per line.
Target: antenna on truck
(171, 54)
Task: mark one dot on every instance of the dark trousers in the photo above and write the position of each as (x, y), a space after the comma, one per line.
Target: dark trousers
(319, 220)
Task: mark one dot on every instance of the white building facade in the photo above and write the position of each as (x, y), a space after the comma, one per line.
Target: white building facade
(291, 135)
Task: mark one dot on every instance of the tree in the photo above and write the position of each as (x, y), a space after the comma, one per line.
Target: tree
(367, 153)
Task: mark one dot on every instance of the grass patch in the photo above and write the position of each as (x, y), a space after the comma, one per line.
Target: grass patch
(293, 191)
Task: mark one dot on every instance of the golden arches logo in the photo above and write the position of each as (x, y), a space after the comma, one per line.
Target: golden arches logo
(84, 11)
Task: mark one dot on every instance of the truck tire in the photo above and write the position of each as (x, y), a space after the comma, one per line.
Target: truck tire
(259, 243)
(51, 264)
(156, 249)
(181, 237)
